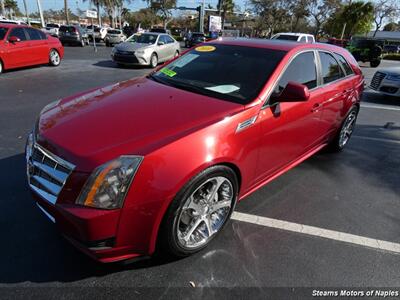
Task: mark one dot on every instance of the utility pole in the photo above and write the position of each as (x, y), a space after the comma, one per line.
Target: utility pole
(98, 12)
(26, 13)
(3, 9)
(66, 11)
(40, 13)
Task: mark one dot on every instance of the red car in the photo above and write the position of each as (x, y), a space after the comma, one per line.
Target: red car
(161, 161)
(22, 46)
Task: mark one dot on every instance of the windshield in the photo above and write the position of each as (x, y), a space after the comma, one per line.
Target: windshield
(52, 26)
(132, 38)
(286, 37)
(232, 73)
(114, 32)
(146, 38)
(3, 32)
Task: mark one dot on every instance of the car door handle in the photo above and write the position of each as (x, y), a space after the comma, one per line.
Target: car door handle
(316, 107)
(348, 91)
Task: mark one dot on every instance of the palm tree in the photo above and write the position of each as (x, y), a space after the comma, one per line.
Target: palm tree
(66, 11)
(97, 4)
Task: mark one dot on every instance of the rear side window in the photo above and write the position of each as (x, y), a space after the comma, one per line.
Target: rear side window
(330, 68)
(169, 39)
(163, 38)
(3, 32)
(43, 35)
(19, 33)
(303, 39)
(344, 64)
(33, 34)
(302, 70)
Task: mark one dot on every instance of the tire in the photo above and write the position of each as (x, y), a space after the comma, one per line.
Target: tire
(107, 44)
(187, 226)
(344, 134)
(176, 53)
(1, 67)
(54, 58)
(153, 60)
(374, 63)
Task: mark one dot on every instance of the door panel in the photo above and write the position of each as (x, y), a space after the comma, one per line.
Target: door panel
(18, 54)
(290, 129)
(39, 49)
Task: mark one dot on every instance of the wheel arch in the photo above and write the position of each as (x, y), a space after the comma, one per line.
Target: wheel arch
(157, 226)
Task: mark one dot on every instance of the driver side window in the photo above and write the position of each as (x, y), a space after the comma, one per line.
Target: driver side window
(302, 70)
(19, 33)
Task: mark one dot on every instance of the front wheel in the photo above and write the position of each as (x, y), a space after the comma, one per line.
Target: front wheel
(345, 132)
(199, 211)
(54, 58)
(153, 60)
(176, 53)
(1, 67)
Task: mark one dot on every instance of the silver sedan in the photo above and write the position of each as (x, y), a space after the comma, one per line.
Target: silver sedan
(146, 49)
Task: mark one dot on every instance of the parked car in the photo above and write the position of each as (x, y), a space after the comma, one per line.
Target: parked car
(391, 48)
(16, 22)
(163, 159)
(99, 32)
(146, 49)
(295, 37)
(366, 50)
(387, 82)
(52, 29)
(195, 38)
(21, 46)
(114, 36)
(338, 42)
(73, 34)
(160, 30)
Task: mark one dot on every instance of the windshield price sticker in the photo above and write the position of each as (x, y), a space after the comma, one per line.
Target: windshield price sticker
(168, 72)
(205, 48)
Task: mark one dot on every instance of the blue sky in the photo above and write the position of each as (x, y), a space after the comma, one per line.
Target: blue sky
(135, 5)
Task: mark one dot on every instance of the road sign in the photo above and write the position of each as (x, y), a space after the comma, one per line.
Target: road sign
(91, 14)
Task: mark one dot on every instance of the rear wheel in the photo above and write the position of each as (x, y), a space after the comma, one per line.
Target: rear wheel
(54, 58)
(199, 211)
(374, 63)
(345, 132)
(1, 67)
(176, 53)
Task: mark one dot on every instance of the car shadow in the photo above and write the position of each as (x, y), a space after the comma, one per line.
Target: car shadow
(32, 249)
(377, 98)
(113, 65)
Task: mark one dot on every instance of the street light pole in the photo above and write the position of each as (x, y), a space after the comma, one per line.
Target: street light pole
(40, 13)
(26, 13)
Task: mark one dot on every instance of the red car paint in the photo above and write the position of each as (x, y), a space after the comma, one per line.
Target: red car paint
(26, 53)
(179, 134)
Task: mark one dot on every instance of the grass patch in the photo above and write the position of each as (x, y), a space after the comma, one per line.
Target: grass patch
(392, 56)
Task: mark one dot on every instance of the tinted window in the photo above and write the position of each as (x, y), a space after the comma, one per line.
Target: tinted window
(302, 70)
(286, 37)
(303, 39)
(146, 39)
(163, 38)
(169, 39)
(232, 73)
(43, 35)
(330, 68)
(52, 26)
(3, 32)
(33, 34)
(113, 31)
(19, 33)
(344, 64)
(67, 29)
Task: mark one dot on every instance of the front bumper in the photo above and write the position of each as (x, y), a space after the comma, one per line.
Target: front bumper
(130, 59)
(54, 184)
(381, 84)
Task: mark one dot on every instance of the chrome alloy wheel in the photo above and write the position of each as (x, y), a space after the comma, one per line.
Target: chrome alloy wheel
(204, 212)
(54, 58)
(347, 129)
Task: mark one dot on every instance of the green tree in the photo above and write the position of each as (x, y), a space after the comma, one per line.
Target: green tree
(227, 7)
(163, 9)
(145, 17)
(355, 18)
(385, 10)
(392, 26)
(11, 8)
(320, 11)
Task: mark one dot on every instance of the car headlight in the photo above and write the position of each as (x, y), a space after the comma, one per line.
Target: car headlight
(394, 77)
(140, 51)
(108, 184)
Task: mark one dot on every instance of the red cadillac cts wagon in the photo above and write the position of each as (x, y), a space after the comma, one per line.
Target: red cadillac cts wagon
(162, 160)
(22, 46)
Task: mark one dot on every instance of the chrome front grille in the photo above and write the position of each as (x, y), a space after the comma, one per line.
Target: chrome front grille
(47, 173)
(376, 80)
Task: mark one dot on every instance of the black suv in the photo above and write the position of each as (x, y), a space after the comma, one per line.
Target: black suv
(366, 50)
(195, 38)
(73, 34)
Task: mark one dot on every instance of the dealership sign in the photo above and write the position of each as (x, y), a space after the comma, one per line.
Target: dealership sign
(91, 14)
(214, 23)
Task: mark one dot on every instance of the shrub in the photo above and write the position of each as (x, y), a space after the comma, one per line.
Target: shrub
(392, 56)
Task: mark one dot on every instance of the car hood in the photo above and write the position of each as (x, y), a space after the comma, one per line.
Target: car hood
(393, 70)
(128, 46)
(132, 117)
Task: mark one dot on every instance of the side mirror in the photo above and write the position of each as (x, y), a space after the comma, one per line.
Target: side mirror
(13, 39)
(293, 92)
(160, 43)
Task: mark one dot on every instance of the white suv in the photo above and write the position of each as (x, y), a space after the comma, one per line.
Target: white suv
(295, 37)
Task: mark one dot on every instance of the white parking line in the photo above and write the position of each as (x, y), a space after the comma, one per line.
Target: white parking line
(386, 107)
(376, 139)
(316, 231)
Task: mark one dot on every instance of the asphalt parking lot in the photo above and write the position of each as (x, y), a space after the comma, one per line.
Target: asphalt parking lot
(355, 192)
